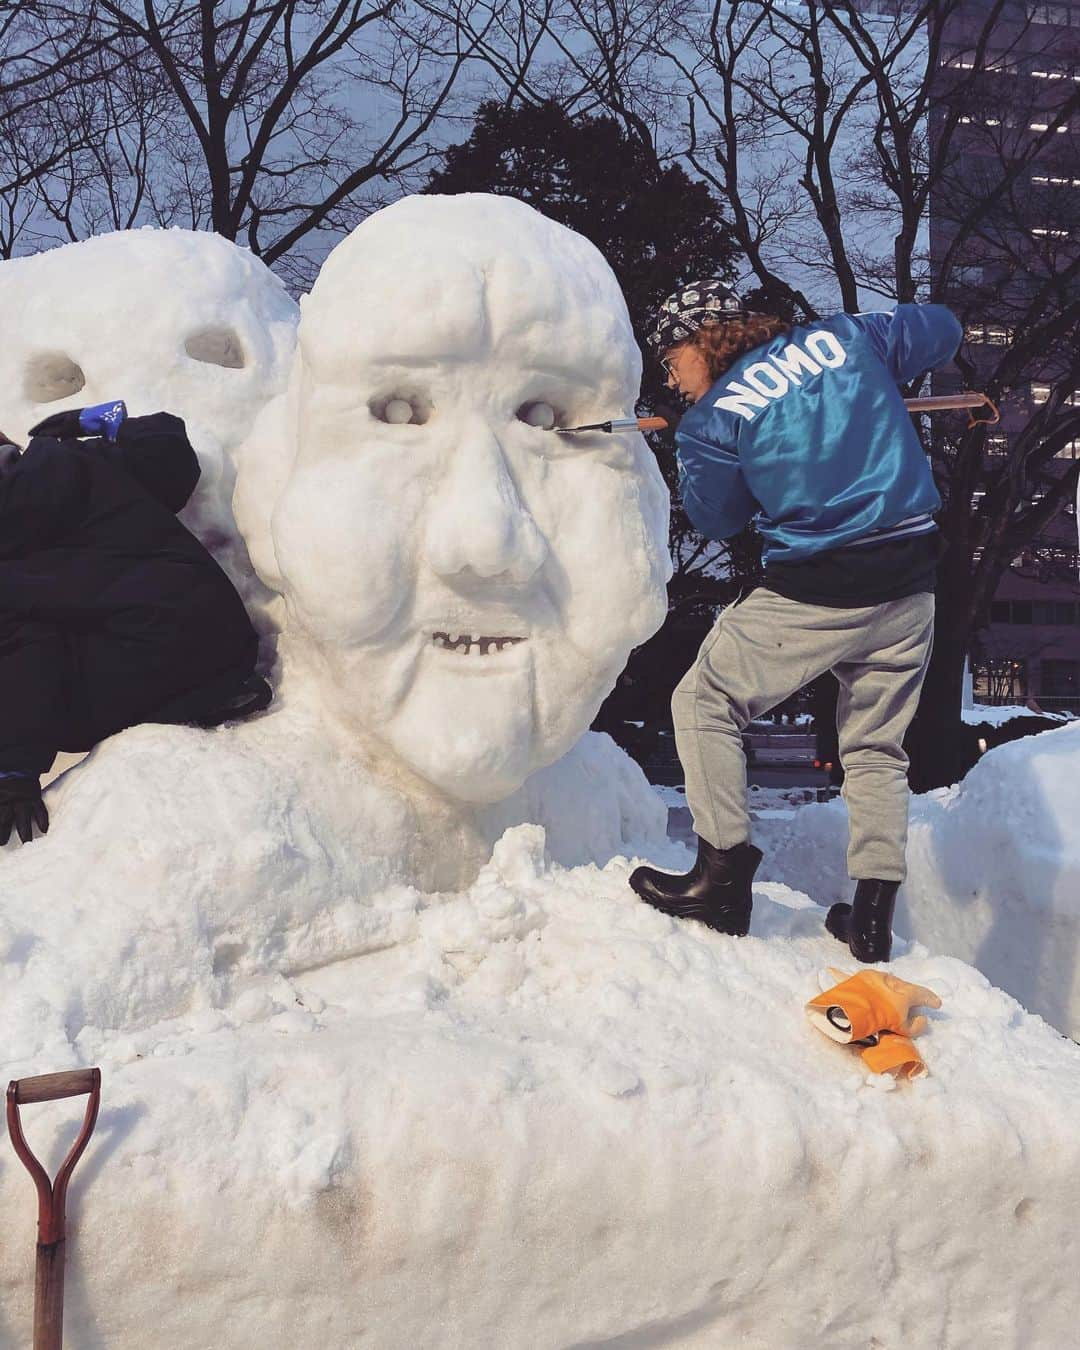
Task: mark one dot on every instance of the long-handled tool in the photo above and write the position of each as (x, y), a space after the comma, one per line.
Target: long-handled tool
(933, 403)
(965, 399)
(52, 1195)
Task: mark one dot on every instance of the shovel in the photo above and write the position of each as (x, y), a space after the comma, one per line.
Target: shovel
(49, 1277)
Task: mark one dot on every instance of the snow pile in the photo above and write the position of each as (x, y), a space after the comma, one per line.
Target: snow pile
(993, 869)
(997, 716)
(392, 1054)
(536, 1113)
(180, 863)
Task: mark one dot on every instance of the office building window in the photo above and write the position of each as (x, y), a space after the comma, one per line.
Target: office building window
(1049, 613)
(1058, 15)
(995, 335)
(1041, 392)
(1059, 679)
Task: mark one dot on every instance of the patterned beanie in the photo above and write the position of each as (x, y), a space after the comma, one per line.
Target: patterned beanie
(692, 307)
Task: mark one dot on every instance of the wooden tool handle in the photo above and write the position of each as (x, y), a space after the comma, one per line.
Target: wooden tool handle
(652, 423)
(50, 1087)
(940, 402)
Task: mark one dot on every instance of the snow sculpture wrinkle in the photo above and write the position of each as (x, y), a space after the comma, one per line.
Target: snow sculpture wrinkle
(463, 584)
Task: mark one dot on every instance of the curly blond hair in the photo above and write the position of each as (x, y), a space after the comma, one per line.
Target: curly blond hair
(722, 344)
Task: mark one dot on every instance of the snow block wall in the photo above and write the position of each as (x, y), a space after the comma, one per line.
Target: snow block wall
(392, 1055)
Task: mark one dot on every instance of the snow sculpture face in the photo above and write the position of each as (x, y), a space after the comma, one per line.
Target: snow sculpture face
(471, 580)
(164, 319)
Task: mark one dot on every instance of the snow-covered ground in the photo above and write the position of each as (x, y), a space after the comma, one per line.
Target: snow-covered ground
(993, 869)
(537, 1113)
(997, 716)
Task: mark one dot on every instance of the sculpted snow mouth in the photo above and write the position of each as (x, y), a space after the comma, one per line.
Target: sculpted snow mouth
(467, 645)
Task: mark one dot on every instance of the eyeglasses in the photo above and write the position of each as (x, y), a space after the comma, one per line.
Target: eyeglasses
(667, 367)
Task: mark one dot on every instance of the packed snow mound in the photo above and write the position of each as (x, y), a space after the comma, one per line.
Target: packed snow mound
(538, 1113)
(993, 869)
(181, 863)
(176, 320)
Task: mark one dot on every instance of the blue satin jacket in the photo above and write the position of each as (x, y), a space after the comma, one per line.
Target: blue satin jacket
(809, 433)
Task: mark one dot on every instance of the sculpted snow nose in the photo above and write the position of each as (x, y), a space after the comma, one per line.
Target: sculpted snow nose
(477, 522)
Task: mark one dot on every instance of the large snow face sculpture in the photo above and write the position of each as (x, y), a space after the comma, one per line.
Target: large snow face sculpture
(467, 581)
(172, 319)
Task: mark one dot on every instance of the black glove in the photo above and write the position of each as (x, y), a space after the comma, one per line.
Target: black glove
(63, 425)
(21, 807)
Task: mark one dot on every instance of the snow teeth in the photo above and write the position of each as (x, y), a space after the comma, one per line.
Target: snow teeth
(466, 643)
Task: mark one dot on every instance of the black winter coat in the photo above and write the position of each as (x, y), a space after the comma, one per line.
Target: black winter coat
(111, 612)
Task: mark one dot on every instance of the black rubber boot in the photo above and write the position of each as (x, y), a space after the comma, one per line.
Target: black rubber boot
(866, 925)
(716, 891)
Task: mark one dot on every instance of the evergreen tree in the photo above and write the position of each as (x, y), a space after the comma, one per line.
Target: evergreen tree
(658, 228)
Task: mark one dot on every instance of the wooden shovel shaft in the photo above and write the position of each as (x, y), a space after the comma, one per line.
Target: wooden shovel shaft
(49, 1296)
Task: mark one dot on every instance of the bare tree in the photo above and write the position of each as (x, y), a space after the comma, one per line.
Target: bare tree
(49, 53)
(829, 130)
(273, 121)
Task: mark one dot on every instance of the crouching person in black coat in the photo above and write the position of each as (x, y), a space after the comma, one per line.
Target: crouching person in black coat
(111, 612)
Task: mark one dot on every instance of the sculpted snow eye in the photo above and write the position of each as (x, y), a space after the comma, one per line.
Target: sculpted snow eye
(50, 376)
(401, 409)
(216, 347)
(539, 414)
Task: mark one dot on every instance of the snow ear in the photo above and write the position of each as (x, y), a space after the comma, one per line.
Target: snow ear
(263, 465)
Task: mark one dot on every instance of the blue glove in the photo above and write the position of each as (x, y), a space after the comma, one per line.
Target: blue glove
(103, 419)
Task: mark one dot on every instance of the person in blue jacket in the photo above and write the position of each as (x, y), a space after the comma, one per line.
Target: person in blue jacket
(111, 612)
(803, 429)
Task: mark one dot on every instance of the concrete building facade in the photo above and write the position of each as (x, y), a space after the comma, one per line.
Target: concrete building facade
(1019, 70)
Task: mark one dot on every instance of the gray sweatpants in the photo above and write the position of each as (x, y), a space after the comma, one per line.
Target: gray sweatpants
(763, 649)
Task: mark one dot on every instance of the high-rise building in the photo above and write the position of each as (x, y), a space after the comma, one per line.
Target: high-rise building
(1008, 73)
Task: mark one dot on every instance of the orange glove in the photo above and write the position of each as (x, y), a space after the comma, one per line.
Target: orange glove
(893, 1054)
(867, 1003)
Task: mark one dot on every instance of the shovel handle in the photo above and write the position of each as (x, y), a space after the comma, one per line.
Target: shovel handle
(52, 1195)
(51, 1087)
(652, 423)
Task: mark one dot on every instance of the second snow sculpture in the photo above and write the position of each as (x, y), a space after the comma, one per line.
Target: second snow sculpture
(179, 320)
